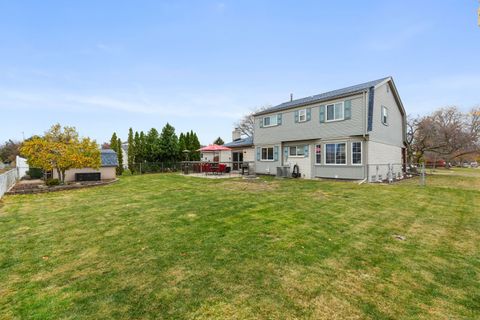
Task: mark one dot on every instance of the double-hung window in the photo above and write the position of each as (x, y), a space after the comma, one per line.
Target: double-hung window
(270, 121)
(318, 154)
(335, 111)
(297, 151)
(335, 153)
(302, 115)
(267, 154)
(384, 115)
(356, 153)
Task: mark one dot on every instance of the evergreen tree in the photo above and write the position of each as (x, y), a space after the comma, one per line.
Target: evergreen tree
(188, 139)
(169, 144)
(219, 141)
(181, 146)
(194, 146)
(114, 142)
(142, 146)
(152, 146)
(120, 157)
(137, 148)
(131, 150)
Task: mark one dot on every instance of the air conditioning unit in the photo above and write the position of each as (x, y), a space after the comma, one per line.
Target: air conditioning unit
(283, 172)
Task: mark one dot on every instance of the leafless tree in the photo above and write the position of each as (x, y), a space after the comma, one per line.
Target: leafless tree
(247, 123)
(446, 132)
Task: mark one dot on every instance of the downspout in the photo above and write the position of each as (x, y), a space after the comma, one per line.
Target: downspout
(365, 119)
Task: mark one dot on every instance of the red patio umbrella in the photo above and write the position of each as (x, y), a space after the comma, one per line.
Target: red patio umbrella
(213, 148)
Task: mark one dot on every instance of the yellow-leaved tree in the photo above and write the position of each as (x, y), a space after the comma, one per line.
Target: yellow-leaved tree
(61, 149)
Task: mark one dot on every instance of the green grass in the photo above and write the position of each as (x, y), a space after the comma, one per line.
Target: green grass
(166, 246)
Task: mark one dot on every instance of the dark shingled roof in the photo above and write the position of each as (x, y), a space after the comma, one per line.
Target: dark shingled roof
(245, 142)
(109, 158)
(330, 95)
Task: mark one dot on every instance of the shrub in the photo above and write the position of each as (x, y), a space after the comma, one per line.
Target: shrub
(35, 173)
(52, 182)
(126, 172)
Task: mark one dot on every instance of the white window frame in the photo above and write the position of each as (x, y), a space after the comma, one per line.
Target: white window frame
(325, 153)
(261, 154)
(302, 113)
(272, 123)
(296, 152)
(384, 115)
(361, 153)
(321, 148)
(334, 111)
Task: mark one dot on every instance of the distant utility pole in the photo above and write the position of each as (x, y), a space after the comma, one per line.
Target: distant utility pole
(23, 136)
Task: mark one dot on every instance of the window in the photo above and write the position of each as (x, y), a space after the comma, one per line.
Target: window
(356, 153)
(335, 111)
(335, 153)
(297, 151)
(267, 154)
(384, 115)
(302, 115)
(270, 121)
(318, 154)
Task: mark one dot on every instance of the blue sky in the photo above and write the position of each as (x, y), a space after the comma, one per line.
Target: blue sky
(105, 66)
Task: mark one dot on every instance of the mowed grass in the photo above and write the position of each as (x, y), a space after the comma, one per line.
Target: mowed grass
(166, 246)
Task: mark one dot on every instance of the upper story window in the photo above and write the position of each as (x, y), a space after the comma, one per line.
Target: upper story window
(270, 121)
(384, 115)
(297, 151)
(335, 111)
(302, 115)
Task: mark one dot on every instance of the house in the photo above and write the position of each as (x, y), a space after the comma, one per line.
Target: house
(242, 150)
(107, 170)
(358, 132)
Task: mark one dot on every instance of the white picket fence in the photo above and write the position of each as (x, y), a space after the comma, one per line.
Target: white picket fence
(9, 178)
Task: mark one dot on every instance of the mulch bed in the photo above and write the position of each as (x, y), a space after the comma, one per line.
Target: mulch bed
(73, 185)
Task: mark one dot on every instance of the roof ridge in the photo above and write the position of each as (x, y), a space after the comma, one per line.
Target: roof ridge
(324, 95)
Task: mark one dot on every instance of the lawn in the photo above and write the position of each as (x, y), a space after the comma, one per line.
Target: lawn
(165, 246)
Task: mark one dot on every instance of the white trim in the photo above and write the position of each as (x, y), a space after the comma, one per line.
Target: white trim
(361, 153)
(273, 154)
(334, 113)
(271, 124)
(325, 154)
(302, 147)
(386, 114)
(304, 111)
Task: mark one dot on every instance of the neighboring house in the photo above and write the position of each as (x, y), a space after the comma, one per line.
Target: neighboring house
(350, 133)
(242, 150)
(107, 170)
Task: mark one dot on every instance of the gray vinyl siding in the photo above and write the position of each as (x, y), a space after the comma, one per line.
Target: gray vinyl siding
(268, 166)
(348, 171)
(393, 133)
(290, 130)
